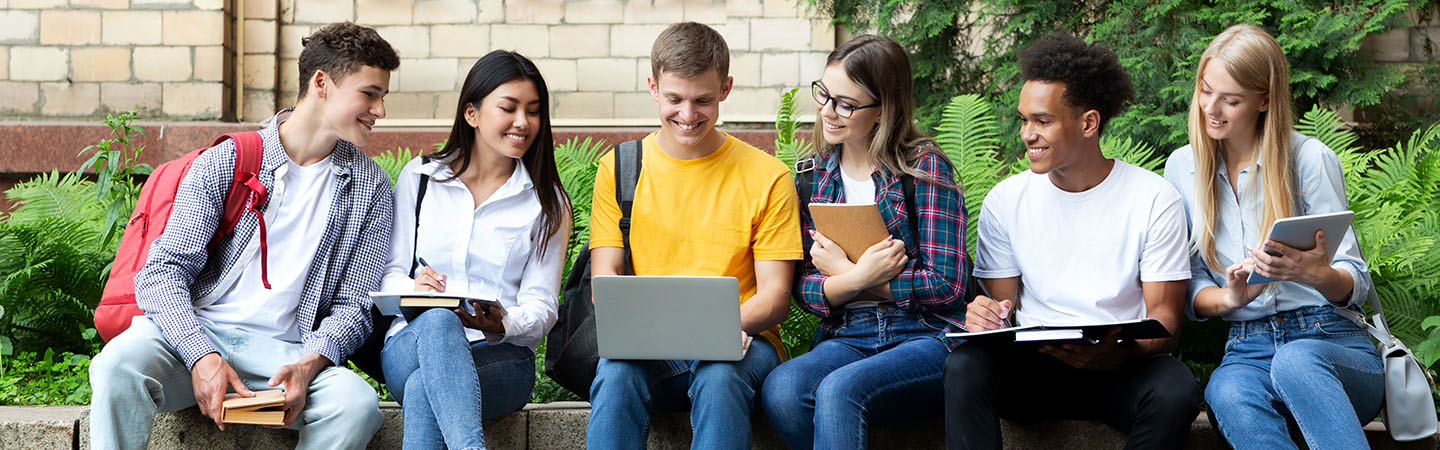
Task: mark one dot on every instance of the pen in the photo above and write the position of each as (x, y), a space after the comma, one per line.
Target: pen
(986, 292)
(422, 262)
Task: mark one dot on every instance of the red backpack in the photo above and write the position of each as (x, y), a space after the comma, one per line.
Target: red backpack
(152, 211)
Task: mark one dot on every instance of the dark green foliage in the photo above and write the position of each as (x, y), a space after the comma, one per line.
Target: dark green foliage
(46, 378)
(1395, 193)
(53, 264)
(969, 46)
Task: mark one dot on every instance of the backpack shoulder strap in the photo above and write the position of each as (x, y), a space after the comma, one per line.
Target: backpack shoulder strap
(248, 156)
(805, 178)
(628, 156)
(907, 184)
(246, 192)
(415, 244)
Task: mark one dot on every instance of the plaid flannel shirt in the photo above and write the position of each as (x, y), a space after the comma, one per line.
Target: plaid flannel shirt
(933, 283)
(334, 311)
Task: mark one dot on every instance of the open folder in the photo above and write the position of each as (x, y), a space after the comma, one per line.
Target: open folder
(1146, 328)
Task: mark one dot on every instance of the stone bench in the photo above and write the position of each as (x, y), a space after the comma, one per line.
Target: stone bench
(561, 425)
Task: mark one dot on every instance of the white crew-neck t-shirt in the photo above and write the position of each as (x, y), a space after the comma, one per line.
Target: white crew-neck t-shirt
(1081, 256)
(295, 223)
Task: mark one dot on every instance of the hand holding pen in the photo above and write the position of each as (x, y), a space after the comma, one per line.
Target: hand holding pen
(427, 279)
(985, 313)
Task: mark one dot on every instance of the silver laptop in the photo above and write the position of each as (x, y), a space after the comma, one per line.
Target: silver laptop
(686, 318)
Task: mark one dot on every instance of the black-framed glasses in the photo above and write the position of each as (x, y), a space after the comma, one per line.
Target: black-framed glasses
(842, 107)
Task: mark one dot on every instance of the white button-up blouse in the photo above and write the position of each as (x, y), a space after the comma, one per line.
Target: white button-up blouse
(490, 252)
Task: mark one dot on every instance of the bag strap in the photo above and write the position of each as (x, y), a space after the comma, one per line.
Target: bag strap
(628, 157)
(415, 244)
(1381, 330)
(246, 193)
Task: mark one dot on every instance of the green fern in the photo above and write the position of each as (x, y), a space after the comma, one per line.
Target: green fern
(967, 134)
(577, 160)
(1395, 193)
(1136, 153)
(54, 273)
(394, 161)
(789, 147)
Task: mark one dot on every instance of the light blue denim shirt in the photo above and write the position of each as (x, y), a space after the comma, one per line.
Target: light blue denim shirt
(1321, 190)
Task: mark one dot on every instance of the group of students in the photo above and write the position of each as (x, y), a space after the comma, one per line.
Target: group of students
(1077, 238)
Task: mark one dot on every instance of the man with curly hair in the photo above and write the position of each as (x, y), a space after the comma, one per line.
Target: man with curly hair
(254, 312)
(1078, 238)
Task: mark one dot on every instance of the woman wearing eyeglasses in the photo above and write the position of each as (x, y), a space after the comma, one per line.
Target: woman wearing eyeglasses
(876, 356)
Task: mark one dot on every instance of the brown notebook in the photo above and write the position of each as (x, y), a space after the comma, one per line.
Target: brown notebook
(265, 408)
(854, 227)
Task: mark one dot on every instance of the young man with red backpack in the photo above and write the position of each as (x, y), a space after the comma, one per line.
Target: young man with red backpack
(282, 300)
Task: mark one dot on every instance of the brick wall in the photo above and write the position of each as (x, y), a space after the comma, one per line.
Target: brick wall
(176, 59)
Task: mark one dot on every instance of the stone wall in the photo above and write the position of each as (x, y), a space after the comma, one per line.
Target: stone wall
(175, 59)
(83, 58)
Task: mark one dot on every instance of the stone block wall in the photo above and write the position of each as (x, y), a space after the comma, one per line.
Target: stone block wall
(183, 59)
(85, 58)
(594, 54)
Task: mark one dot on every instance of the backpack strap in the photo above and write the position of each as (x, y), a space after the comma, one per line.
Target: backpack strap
(627, 175)
(805, 174)
(415, 244)
(907, 185)
(246, 193)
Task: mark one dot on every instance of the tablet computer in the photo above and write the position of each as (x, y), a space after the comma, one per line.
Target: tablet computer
(1299, 232)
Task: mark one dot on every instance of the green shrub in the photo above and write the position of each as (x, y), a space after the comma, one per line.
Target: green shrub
(47, 378)
(971, 46)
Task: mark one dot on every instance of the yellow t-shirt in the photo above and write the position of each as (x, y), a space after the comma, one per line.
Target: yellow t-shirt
(712, 216)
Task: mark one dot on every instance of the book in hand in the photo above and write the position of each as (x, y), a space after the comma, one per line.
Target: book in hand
(1091, 333)
(1299, 232)
(412, 304)
(265, 408)
(853, 227)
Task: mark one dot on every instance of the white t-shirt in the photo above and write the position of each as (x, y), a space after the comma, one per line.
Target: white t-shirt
(295, 222)
(858, 191)
(1081, 256)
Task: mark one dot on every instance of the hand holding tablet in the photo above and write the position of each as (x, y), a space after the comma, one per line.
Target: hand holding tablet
(1299, 232)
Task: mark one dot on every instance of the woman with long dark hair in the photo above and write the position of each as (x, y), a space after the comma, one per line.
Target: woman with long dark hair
(877, 357)
(492, 223)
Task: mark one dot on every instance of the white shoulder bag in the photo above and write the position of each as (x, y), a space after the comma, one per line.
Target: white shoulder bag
(1409, 405)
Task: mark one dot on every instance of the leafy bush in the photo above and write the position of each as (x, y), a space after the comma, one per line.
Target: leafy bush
(53, 263)
(47, 378)
(798, 329)
(971, 46)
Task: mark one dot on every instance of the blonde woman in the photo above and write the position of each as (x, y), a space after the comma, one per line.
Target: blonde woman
(1290, 357)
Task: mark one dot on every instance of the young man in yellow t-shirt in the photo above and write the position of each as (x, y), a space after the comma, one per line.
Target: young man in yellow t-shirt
(706, 204)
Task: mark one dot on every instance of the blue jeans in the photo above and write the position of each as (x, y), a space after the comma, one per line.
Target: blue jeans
(883, 364)
(138, 374)
(438, 377)
(1308, 365)
(720, 395)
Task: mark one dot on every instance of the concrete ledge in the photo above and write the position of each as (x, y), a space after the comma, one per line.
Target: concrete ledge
(40, 427)
(561, 426)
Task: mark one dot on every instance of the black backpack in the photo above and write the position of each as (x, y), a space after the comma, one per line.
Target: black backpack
(571, 352)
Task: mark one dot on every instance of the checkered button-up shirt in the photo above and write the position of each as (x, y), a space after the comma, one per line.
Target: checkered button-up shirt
(932, 283)
(334, 309)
